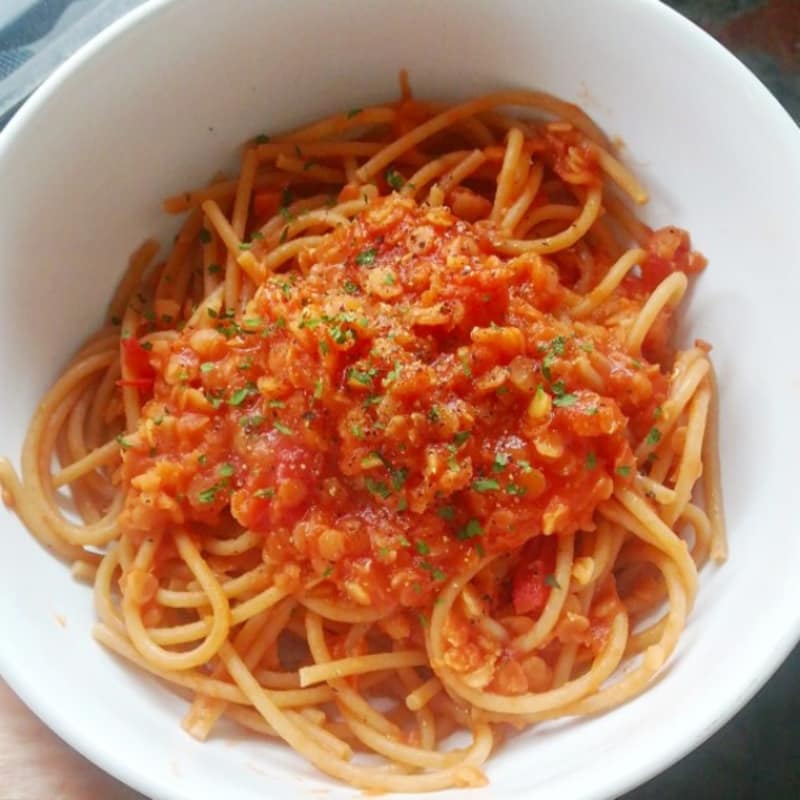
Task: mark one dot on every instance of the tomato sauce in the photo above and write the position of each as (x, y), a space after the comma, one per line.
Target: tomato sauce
(407, 402)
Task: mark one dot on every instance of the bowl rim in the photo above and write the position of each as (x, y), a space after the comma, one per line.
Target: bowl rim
(80, 737)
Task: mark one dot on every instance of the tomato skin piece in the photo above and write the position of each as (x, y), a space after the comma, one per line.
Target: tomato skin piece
(137, 360)
(529, 589)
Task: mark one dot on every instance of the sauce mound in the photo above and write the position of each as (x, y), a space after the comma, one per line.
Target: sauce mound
(404, 404)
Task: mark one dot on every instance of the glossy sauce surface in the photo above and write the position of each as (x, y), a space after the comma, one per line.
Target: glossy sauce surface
(406, 403)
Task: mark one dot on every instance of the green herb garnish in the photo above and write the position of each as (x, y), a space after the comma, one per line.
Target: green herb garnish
(470, 530)
(394, 179)
(366, 257)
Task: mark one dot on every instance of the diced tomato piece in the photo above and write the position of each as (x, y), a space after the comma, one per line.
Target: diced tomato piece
(529, 588)
(137, 362)
(668, 251)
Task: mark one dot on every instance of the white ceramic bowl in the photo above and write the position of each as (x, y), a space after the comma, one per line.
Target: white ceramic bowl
(159, 102)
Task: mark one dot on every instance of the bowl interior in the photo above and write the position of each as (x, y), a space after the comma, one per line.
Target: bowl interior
(160, 103)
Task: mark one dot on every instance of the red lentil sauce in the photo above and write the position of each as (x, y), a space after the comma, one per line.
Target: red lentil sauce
(405, 403)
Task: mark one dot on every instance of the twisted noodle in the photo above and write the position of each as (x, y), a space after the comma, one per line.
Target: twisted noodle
(212, 611)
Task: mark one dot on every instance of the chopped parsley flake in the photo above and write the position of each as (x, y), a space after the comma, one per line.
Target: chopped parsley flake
(123, 442)
(265, 494)
(281, 428)
(557, 345)
(460, 437)
(485, 485)
(248, 423)
(550, 580)
(565, 400)
(470, 530)
(654, 437)
(399, 477)
(379, 488)
(366, 257)
(350, 287)
(516, 490)
(206, 367)
(364, 378)
(546, 364)
(205, 235)
(394, 179)
(591, 460)
(340, 335)
(624, 470)
(436, 573)
(207, 495)
(225, 470)
(239, 396)
(394, 374)
(422, 547)
(447, 512)
(501, 461)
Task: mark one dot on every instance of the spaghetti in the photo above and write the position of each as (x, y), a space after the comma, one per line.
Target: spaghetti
(394, 444)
